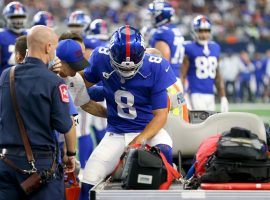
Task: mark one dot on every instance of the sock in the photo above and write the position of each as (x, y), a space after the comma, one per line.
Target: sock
(167, 151)
(86, 147)
(85, 191)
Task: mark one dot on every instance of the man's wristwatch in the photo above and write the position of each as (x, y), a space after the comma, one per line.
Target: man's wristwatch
(71, 153)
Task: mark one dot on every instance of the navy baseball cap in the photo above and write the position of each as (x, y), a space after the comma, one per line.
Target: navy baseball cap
(70, 52)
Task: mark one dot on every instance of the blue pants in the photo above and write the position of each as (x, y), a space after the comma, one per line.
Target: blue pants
(10, 181)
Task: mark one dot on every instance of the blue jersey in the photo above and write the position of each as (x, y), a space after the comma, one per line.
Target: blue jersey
(7, 46)
(203, 63)
(171, 35)
(91, 42)
(130, 102)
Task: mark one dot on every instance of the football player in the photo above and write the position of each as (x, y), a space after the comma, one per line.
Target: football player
(15, 16)
(136, 101)
(169, 41)
(98, 34)
(167, 37)
(200, 67)
(43, 18)
(79, 22)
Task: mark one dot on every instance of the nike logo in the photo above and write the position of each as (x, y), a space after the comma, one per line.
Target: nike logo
(167, 69)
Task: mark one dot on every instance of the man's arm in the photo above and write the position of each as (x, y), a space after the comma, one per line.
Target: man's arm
(164, 48)
(224, 104)
(219, 83)
(153, 127)
(184, 70)
(95, 108)
(70, 140)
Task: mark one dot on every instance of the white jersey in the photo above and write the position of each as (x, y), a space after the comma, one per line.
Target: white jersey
(77, 89)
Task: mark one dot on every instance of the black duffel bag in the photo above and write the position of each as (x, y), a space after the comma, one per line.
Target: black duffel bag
(240, 157)
(239, 143)
(220, 170)
(143, 169)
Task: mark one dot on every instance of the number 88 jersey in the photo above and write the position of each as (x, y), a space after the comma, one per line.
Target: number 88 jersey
(130, 102)
(203, 63)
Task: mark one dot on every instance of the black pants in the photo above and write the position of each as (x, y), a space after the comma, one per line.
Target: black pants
(10, 181)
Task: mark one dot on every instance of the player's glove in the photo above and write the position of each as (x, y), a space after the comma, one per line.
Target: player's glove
(224, 104)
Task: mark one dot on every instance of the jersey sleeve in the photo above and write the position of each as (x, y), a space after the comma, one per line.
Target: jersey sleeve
(96, 93)
(218, 50)
(164, 76)
(60, 116)
(72, 108)
(91, 73)
(161, 35)
(159, 100)
(187, 48)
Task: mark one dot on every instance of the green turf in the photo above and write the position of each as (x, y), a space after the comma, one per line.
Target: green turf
(260, 109)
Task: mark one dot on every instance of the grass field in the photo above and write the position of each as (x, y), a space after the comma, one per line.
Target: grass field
(260, 109)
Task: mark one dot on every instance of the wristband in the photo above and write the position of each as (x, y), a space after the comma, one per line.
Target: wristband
(71, 153)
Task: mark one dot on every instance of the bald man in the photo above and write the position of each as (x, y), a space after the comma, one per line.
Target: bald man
(43, 105)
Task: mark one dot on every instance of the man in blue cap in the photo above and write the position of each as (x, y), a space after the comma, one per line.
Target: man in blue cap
(71, 54)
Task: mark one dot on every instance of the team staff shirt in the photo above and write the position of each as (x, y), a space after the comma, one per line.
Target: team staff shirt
(203, 63)
(130, 102)
(172, 36)
(44, 106)
(7, 47)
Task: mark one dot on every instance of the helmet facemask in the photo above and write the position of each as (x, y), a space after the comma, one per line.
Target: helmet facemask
(201, 30)
(126, 51)
(16, 23)
(161, 11)
(127, 69)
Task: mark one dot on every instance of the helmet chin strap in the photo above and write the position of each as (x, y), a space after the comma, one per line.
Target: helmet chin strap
(202, 42)
(17, 31)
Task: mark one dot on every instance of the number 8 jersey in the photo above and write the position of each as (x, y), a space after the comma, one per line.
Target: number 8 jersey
(203, 63)
(130, 101)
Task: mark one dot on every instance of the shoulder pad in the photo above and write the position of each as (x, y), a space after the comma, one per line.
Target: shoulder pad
(102, 50)
(187, 42)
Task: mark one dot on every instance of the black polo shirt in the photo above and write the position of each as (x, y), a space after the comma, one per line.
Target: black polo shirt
(43, 105)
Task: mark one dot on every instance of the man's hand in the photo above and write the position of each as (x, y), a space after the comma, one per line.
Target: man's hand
(70, 164)
(224, 104)
(56, 68)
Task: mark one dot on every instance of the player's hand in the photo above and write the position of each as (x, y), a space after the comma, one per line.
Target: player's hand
(69, 164)
(224, 104)
(137, 140)
(56, 68)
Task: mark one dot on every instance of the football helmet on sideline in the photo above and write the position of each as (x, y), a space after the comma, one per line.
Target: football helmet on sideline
(162, 12)
(127, 51)
(79, 22)
(43, 18)
(201, 29)
(15, 15)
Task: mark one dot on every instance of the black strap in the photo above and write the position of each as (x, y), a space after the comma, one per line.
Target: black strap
(22, 129)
